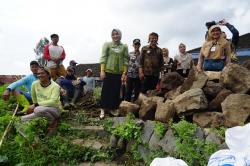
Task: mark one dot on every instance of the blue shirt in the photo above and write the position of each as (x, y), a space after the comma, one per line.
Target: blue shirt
(25, 81)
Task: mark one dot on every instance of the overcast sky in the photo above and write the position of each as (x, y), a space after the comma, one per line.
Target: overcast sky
(84, 25)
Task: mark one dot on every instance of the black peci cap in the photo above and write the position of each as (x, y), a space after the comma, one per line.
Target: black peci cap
(54, 35)
(136, 41)
(34, 63)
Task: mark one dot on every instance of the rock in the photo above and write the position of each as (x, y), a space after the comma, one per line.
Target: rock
(140, 98)
(213, 75)
(118, 120)
(113, 141)
(154, 142)
(208, 119)
(156, 99)
(128, 107)
(195, 80)
(88, 143)
(236, 109)
(164, 111)
(190, 101)
(171, 95)
(171, 81)
(144, 152)
(236, 78)
(214, 138)
(246, 64)
(147, 110)
(199, 133)
(211, 89)
(223, 146)
(121, 144)
(147, 131)
(215, 104)
(168, 142)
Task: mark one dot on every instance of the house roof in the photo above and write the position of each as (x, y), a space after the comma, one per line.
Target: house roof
(244, 43)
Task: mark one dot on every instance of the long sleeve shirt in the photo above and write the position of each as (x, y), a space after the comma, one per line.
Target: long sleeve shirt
(114, 58)
(46, 96)
(25, 81)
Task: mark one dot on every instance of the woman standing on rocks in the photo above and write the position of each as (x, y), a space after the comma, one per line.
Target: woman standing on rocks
(114, 63)
(215, 52)
(183, 61)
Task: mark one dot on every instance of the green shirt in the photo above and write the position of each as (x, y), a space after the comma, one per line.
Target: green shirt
(114, 57)
(46, 96)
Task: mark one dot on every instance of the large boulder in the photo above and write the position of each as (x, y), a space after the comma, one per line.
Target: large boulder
(212, 89)
(168, 142)
(209, 119)
(190, 101)
(147, 131)
(195, 80)
(128, 107)
(147, 110)
(236, 78)
(164, 111)
(171, 95)
(215, 104)
(236, 109)
(213, 75)
(171, 81)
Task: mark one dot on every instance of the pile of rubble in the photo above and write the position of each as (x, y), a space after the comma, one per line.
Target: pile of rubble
(209, 99)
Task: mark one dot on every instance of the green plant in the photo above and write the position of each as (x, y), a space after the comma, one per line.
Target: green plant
(160, 129)
(192, 150)
(97, 94)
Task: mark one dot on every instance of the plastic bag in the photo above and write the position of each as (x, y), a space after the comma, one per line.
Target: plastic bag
(168, 161)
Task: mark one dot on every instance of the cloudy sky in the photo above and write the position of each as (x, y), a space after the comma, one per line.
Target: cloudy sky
(84, 25)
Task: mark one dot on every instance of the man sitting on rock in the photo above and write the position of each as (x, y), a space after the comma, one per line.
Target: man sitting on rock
(23, 97)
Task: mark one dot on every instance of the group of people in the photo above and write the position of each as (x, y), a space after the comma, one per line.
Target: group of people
(141, 70)
(53, 87)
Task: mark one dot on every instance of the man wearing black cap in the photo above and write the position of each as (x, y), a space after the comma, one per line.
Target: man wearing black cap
(133, 80)
(22, 97)
(55, 55)
(72, 64)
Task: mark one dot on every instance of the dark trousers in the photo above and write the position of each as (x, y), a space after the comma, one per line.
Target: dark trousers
(149, 83)
(133, 85)
(110, 97)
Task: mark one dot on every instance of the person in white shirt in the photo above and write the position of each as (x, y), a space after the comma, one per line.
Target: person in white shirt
(89, 80)
(55, 54)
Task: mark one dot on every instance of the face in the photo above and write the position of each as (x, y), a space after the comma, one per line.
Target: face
(137, 46)
(70, 72)
(88, 73)
(182, 48)
(55, 40)
(116, 37)
(42, 75)
(216, 33)
(165, 52)
(153, 40)
(34, 68)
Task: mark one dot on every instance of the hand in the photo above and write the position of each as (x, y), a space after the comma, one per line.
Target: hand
(141, 75)
(63, 92)
(102, 75)
(124, 78)
(31, 109)
(6, 95)
(223, 22)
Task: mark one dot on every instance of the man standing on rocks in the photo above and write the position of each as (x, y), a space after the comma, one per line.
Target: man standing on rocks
(151, 63)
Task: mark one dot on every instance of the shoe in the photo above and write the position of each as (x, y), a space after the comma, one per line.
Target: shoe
(66, 106)
(115, 112)
(72, 105)
(102, 114)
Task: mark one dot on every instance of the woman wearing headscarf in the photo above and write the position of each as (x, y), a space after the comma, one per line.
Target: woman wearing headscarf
(215, 52)
(183, 61)
(114, 62)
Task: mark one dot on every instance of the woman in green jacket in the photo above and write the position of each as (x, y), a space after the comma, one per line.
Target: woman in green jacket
(114, 62)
